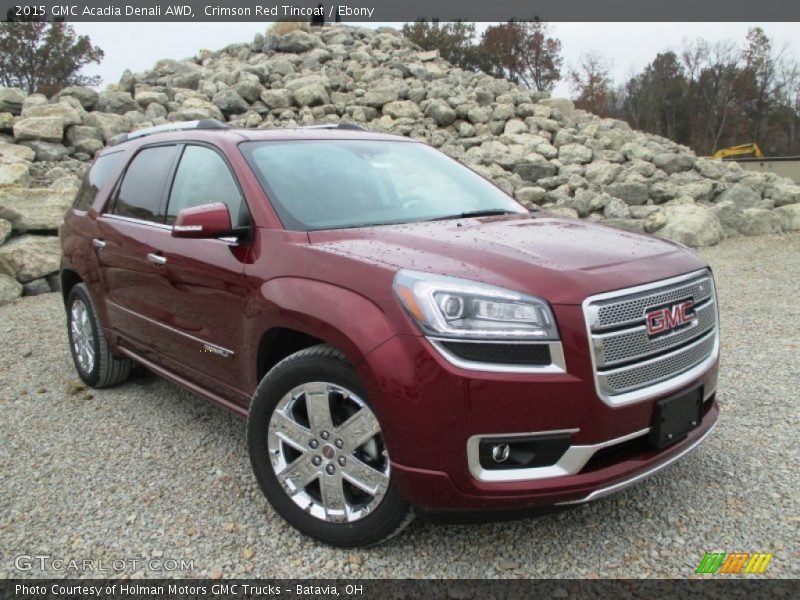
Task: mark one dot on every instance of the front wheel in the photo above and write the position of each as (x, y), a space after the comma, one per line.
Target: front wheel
(318, 452)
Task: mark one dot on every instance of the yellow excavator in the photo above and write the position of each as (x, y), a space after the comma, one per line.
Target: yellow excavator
(750, 158)
(743, 150)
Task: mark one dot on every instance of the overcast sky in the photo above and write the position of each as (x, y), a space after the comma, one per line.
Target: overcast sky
(627, 46)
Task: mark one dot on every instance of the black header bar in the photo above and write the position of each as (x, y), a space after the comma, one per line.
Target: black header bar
(710, 587)
(407, 10)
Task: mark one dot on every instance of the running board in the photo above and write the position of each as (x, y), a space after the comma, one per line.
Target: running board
(185, 383)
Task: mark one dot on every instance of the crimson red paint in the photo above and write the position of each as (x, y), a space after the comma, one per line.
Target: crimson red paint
(207, 314)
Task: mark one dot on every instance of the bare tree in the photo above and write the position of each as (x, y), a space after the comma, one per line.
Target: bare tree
(44, 57)
(541, 56)
(454, 40)
(524, 52)
(710, 96)
(501, 50)
(719, 90)
(591, 84)
(771, 76)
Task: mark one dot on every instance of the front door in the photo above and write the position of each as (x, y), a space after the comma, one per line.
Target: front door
(200, 291)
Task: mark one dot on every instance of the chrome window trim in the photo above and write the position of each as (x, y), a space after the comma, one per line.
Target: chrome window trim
(207, 346)
(668, 385)
(617, 487)
(135, 221)
(557, 362)
(228, 241)
(572, 461)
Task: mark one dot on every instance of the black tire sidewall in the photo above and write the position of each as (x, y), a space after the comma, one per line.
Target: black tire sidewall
(79, 292)
(381, 523)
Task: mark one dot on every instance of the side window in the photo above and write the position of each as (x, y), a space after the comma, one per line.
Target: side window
(101, 171)
(202, 178)
(142, 189)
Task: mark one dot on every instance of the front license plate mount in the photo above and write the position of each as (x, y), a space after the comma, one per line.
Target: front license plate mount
(675, 417)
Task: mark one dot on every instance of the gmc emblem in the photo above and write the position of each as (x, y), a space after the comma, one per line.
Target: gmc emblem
(671, 317)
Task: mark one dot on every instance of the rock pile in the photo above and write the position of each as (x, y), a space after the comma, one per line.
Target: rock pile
(542, 150)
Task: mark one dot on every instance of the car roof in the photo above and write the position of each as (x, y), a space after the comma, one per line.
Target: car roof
(237, 135)
(311, 133)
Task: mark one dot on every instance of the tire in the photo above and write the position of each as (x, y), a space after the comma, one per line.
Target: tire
(96, 365)
(335, 489)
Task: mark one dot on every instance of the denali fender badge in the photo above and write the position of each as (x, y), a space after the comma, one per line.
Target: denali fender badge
(217, 350)
(670, 317)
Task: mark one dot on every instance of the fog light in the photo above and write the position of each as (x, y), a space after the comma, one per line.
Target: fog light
(501, 452)
(522, 451)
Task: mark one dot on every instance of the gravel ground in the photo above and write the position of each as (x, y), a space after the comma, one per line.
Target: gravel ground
(148, 470)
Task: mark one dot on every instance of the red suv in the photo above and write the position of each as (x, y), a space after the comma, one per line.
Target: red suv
(398, 331)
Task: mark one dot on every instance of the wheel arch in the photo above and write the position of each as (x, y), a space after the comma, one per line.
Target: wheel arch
(299, 313)
(279, 342)
(69, 279)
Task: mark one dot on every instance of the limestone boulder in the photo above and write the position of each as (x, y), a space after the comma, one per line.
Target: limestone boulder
(692, 225)
(30, 257)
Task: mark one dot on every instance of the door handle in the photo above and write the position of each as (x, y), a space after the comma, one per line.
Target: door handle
(157, 259)
(98, 243)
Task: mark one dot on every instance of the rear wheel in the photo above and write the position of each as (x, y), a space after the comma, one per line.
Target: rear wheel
(319, 454)
(95, 363)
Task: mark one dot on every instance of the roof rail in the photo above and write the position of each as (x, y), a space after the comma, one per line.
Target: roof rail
(177, 126)
(350, 126)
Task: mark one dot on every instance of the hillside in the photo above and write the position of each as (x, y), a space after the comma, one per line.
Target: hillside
(542, 150)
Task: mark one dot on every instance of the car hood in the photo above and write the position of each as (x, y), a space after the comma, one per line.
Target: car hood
(562, 260)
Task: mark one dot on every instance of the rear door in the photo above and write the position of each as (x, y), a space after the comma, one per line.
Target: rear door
(79, 231)
(126, 261)
(200, 290)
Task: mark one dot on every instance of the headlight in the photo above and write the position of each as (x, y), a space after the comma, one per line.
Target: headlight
(459, 308)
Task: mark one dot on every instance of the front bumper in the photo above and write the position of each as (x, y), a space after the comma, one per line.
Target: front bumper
(436, 491)
(430, 409)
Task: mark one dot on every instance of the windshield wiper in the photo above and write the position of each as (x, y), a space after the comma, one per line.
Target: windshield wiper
(488, 212)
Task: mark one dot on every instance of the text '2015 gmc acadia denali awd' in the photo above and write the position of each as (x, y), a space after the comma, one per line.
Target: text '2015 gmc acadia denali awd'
(398, 331)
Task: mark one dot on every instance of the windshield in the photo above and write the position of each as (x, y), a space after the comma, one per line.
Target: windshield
(336, 184)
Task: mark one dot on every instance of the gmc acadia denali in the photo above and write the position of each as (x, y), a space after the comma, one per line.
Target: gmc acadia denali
(397, 331)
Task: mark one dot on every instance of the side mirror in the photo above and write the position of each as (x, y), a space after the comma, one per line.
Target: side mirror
(206, 221)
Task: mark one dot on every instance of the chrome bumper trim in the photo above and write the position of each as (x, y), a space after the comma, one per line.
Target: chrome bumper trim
(571, 462)
(617, 487)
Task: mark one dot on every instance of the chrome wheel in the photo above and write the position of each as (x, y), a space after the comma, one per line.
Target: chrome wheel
(82, 335)
(327, 452)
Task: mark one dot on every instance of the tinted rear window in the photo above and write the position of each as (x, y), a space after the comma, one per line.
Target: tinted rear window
(142, 191)
(97, 177)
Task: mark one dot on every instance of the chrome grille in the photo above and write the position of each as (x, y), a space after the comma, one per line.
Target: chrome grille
(615, 348)
(627, 379)
(629, 365)
(630, 308)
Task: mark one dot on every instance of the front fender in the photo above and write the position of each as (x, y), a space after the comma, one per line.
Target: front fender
(349, 321)
(343, 318)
